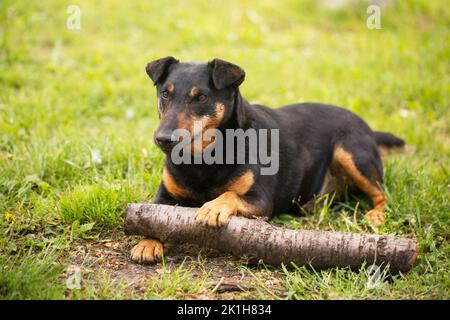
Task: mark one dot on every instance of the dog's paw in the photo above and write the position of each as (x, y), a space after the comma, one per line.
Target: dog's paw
(147, 251)
(376, 217)
(216, 213)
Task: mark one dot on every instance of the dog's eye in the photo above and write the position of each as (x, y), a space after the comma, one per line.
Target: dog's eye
(202, 98)
(165, 94)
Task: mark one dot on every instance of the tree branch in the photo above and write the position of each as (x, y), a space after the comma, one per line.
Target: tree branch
(256, 239)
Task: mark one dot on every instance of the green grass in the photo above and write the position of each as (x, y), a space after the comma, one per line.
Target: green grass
(28, 275)
(69, 95)
(102, 204)
(176, 284)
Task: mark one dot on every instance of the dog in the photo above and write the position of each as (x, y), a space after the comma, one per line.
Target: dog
(322, 149)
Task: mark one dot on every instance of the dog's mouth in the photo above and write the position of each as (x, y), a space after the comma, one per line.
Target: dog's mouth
(165, 148)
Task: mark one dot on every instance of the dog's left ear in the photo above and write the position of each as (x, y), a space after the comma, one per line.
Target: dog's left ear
(226, 74)
(157, 70)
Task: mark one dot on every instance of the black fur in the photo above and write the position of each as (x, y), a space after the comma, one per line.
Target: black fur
(388, 139)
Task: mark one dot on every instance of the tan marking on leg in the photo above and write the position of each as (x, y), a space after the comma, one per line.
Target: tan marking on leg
(147, 251)
(174, 189)
(216, 213)
(194, 91)
(345, 160)
(240, 185)
(342, 180)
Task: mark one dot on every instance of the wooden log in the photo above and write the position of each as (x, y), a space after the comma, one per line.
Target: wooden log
(258, 240)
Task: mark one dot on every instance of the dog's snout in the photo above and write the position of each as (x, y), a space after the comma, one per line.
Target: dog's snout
(164, 140)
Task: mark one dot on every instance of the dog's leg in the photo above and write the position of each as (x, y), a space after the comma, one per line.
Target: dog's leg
(147, 251)
(362, 165)
(240, 196)
(150, 250)
(216, 213)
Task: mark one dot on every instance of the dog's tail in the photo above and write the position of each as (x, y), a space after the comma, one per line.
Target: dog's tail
(388, 143)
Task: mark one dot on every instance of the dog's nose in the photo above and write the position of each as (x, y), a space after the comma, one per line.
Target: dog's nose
(164, 141)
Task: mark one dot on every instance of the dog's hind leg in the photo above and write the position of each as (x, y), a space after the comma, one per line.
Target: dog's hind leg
(360, 162)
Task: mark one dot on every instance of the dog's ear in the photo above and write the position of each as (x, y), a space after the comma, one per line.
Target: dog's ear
(226, 74)
(157, 70)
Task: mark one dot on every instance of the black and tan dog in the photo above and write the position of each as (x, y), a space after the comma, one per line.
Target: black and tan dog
(322, 148)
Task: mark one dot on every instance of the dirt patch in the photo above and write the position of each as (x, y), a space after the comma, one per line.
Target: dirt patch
(225, 276)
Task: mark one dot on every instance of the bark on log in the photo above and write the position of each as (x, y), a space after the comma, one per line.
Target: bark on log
(257, 239)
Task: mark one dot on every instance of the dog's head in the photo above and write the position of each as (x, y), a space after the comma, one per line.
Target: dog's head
(189, 92)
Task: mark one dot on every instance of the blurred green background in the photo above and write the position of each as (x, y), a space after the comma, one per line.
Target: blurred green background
(77, 113)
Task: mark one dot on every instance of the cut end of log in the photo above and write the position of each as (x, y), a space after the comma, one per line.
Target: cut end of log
(129, 209)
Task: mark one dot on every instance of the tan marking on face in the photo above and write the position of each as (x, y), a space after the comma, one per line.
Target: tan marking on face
(170, 87)
(345, 160)
(174, 189)
(185, 122)
(220, 111)
(194, 91)
(212, 122)
(206, 122)
(197, 131)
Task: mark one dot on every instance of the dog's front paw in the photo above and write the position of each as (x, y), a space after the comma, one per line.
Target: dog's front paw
(147, 251)
(376, 217)
(216, 213)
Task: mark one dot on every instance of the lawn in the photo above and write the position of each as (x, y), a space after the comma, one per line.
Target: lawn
(77, 113)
